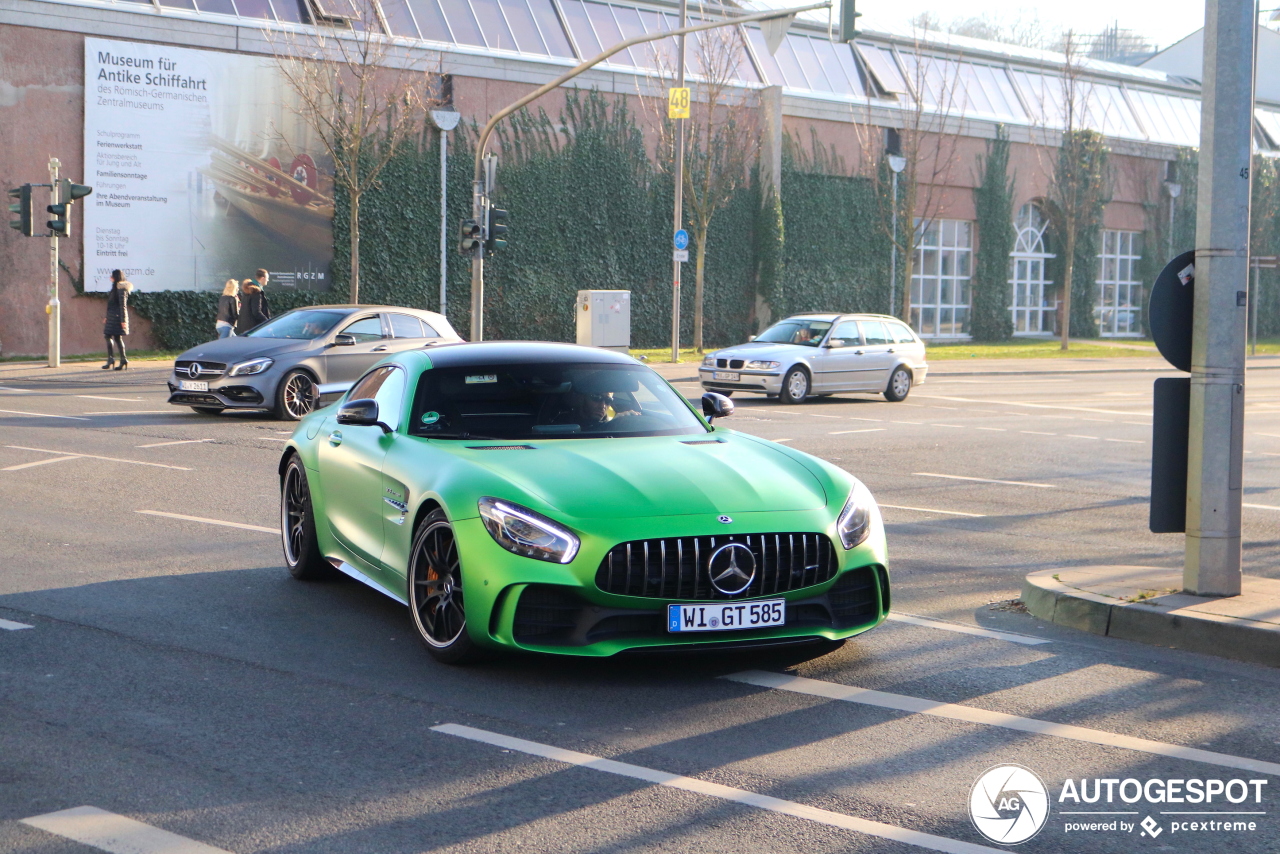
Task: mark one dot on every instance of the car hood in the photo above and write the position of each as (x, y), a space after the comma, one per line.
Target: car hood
(764, 350)
(654, 476)
(239, 348)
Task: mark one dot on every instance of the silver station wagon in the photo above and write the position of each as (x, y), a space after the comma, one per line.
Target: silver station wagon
(815, 355)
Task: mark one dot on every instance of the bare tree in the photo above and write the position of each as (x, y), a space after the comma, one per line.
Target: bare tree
(363, 99)
(927, 144)
(722, 140)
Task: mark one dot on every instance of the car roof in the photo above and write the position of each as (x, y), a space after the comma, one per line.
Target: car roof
(816, 316)
(465, 354)
(349, 308)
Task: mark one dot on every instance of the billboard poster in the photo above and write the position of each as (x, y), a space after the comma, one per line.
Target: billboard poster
(202, 171)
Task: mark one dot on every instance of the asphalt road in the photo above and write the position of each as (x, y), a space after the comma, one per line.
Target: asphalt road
(174, 674)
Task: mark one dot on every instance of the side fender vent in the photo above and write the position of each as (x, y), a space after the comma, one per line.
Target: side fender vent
(500, 448)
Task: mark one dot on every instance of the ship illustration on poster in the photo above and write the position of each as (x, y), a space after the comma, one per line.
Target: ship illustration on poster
(289, 203)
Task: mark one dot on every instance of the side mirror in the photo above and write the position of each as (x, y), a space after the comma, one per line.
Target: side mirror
(833, 343)
(716, 406)
(361, 413)
(344, 340)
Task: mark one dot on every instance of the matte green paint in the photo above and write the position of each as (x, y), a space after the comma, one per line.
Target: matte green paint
(606, 491)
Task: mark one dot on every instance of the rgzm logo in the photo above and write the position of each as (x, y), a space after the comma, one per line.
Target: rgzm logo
(1009, 804)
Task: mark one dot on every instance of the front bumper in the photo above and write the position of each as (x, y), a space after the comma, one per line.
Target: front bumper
(764, 382)
(521, 603)
(256, 391)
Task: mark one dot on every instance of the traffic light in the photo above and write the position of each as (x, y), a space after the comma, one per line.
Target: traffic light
(469, 237)
(60, 225)
(848, 20)
(496, 231)
(21, 206)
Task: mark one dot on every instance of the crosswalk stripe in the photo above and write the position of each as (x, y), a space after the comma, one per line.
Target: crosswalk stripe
(117, 834)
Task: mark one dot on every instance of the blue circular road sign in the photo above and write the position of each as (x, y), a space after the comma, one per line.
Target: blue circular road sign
(681, 239)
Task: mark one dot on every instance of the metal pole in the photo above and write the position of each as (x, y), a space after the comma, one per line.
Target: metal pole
(1173, 200)
(444, 220)
(1215, 459)
(477, 261)
(679, 211)
(1253, 313)
(893, 253)
(55, 306)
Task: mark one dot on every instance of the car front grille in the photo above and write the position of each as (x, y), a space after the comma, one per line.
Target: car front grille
(735, 364)
(677, 567)
(207, 369)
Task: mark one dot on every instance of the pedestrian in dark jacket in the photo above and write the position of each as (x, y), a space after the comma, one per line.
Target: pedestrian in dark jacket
(262, 277)
(116, 325)
(228, 310)
(252, 307)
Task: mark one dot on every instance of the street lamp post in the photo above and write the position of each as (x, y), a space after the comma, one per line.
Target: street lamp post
(679, 192)
(445, 121)
(896, 164)
(1174, 190)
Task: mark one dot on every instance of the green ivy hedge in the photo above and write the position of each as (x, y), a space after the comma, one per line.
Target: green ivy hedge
(993, 201)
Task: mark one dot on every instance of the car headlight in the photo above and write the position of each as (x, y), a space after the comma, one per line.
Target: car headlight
(518, 529)
(759, 365)
(854, 524)
(709, 360)
(253, 366)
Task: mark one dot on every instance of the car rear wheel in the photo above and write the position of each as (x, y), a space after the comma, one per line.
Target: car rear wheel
(298, 527)
(899, 385)
(795, 386)
(435, 592)
(296, 397)
(207, 410)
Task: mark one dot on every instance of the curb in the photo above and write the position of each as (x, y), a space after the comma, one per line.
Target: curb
(1211, 634)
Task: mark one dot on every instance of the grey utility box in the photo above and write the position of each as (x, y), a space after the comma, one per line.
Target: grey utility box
(604, 319)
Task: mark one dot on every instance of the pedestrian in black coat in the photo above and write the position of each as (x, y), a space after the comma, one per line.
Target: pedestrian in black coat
(252, 307)
(116, 325)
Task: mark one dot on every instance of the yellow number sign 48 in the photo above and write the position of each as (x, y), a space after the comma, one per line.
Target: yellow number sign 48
(678, 102)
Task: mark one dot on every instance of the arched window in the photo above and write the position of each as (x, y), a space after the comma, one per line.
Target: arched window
(1033, 310)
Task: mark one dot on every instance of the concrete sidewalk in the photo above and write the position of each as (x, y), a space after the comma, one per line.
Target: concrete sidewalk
(1146, 604)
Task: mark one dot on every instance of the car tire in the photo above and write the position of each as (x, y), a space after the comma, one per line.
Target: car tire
(795, 386)
(436, 606)
(899, 385)
(296, 396)
(207, 410)
(298, 527)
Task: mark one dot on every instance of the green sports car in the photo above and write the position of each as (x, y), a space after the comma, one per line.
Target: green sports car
(566, 499)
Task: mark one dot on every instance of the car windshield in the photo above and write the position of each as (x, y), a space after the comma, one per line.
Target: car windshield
(549, 401)
(795, 331)
(298, 325)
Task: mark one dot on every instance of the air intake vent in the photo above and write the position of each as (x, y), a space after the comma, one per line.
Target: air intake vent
(500, 447)
(704, 442)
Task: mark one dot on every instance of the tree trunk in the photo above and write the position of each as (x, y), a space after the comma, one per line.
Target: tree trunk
(700, 237)
(1068, 273)
(355, 248)
(908, 265)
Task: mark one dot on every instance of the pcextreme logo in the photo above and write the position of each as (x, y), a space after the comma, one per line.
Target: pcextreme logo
(1009, 804)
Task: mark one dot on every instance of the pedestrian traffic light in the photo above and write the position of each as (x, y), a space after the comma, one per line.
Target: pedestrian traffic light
(469, 235)
(848, 20)
(21, 206)
(496, 231)
(68, 192)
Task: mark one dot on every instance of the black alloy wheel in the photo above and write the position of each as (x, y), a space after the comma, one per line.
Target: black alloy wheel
(899, 385)
(795, 386)
(435, 592)
(297, 396)
(298, 527)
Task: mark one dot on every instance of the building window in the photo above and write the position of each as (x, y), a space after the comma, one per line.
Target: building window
(940, 279)
(1030, 291)
(1120, 293)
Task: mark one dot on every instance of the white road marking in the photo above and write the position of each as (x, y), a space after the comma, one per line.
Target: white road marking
(1129, 441)
(959, 426)
(204, 521)
(817, 415)
(11, 626)
(961, 628)
(270, 439)
(985, 480)
(716, 790)
(179, 442)
(1269, 435)
(117, 834)
(993, 429)
(1030, 405)
(778, 440)
(97, 457)
(138, 412)
(1136, 423)
(1262, 506)
(856, 418)
(41, 415)
(931, 510)
(983, 717)
(863, 430)
(100, 397)
(1099, 420)
(39, 463)
(1078, 436)
(1036, 433)
(16, 390)
(907, 422)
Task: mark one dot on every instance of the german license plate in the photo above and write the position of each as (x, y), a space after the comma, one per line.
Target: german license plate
(192, 385)
(726, 616)
(727, 376)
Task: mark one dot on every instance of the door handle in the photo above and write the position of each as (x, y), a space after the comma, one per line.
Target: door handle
(857, 352)
(890, 349)
(335, 438)
(379, 349)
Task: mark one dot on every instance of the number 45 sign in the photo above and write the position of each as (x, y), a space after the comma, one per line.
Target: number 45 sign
(678, 102)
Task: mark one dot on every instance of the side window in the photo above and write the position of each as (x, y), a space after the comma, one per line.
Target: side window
(368, 385)
(875, 333)
(846, 335)
(366, 329)
(405, 326)
(428, 331)
(901, 334)
(390, 396)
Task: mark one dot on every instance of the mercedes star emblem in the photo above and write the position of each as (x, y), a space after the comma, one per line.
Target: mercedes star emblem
(732, 568)
(193, 370)
(724, 520)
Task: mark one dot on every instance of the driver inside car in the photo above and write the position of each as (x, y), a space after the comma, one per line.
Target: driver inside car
(600, 407)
